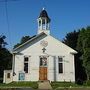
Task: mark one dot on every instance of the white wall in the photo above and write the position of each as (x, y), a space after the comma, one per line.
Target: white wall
(53, 50)
(5, 78)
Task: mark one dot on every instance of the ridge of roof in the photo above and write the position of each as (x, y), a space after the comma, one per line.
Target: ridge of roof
(74, 51)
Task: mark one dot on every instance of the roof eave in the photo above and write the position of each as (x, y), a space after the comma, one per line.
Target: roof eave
(74, 52)
(27, 42)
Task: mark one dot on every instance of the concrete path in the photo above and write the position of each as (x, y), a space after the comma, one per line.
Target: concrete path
(44, 85)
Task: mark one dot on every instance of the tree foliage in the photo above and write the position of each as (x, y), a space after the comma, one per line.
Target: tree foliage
(2, 42)
(83, 46)
(71, 39)
(5, 56)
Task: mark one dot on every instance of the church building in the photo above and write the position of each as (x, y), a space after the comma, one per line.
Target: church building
(43, 57)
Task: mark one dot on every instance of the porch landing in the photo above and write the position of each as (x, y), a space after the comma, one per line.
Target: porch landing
(44, 85)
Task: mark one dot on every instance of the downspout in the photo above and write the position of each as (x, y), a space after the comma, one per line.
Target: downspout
(13, 64)
(55, 73)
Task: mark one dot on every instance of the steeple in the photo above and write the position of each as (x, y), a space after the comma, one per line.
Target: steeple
(43, 22)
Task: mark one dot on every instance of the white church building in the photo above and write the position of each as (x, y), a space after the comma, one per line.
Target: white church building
(42, 58)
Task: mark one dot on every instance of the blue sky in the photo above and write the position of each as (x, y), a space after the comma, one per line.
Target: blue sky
(66, 16)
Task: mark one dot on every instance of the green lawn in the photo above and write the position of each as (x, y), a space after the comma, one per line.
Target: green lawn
(73, 88)
(20, 84)
(7, 89)
(55, 86)
(63, 84)
(69, 86)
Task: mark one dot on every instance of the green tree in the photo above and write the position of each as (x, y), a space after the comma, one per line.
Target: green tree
(5, 56)
(2, 42)
(83, 46)
(71, 40)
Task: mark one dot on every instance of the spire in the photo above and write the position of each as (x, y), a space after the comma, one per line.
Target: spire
(44, 14)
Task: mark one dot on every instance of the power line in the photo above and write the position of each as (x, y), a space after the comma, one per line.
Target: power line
(8, 24)
(7, 20)
(7, 0)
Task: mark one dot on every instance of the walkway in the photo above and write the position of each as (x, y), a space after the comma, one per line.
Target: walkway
(44, 85)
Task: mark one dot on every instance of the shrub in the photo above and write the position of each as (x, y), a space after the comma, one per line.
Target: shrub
(88, 82)
(79, 82)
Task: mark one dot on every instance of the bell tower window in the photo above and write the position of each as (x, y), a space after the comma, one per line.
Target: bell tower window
(44, 22)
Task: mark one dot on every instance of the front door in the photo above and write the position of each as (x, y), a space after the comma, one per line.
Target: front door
(43, 68)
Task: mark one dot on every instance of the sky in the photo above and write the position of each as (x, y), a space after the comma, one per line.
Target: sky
(66, 16)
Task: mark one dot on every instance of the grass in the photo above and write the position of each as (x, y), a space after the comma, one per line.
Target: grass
(55, 85)
(70, 86)
(73, 88)
(33, 85)
(63, 84)
(7, 88)
(1, 80)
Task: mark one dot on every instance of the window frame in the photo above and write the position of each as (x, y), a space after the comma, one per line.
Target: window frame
(26, 64)
(8, 75)
(60, 65)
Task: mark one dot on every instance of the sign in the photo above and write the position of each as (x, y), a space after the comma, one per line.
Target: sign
(21, 76)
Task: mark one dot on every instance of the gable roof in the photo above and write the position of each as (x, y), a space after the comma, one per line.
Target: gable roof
(73, 51)
(39, 35)
(33, 38)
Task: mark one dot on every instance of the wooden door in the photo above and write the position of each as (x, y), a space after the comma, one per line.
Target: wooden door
(43, 73)
(43, 69)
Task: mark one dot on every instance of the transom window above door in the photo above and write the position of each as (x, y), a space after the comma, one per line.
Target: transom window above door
(43, 61)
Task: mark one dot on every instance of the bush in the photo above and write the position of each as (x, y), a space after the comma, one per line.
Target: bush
(88, 83)
(79, 82)
(1, 80)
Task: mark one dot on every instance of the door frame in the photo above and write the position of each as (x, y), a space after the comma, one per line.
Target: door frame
(42, 56)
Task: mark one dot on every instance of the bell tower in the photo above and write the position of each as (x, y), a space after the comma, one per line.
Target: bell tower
(43, 22)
